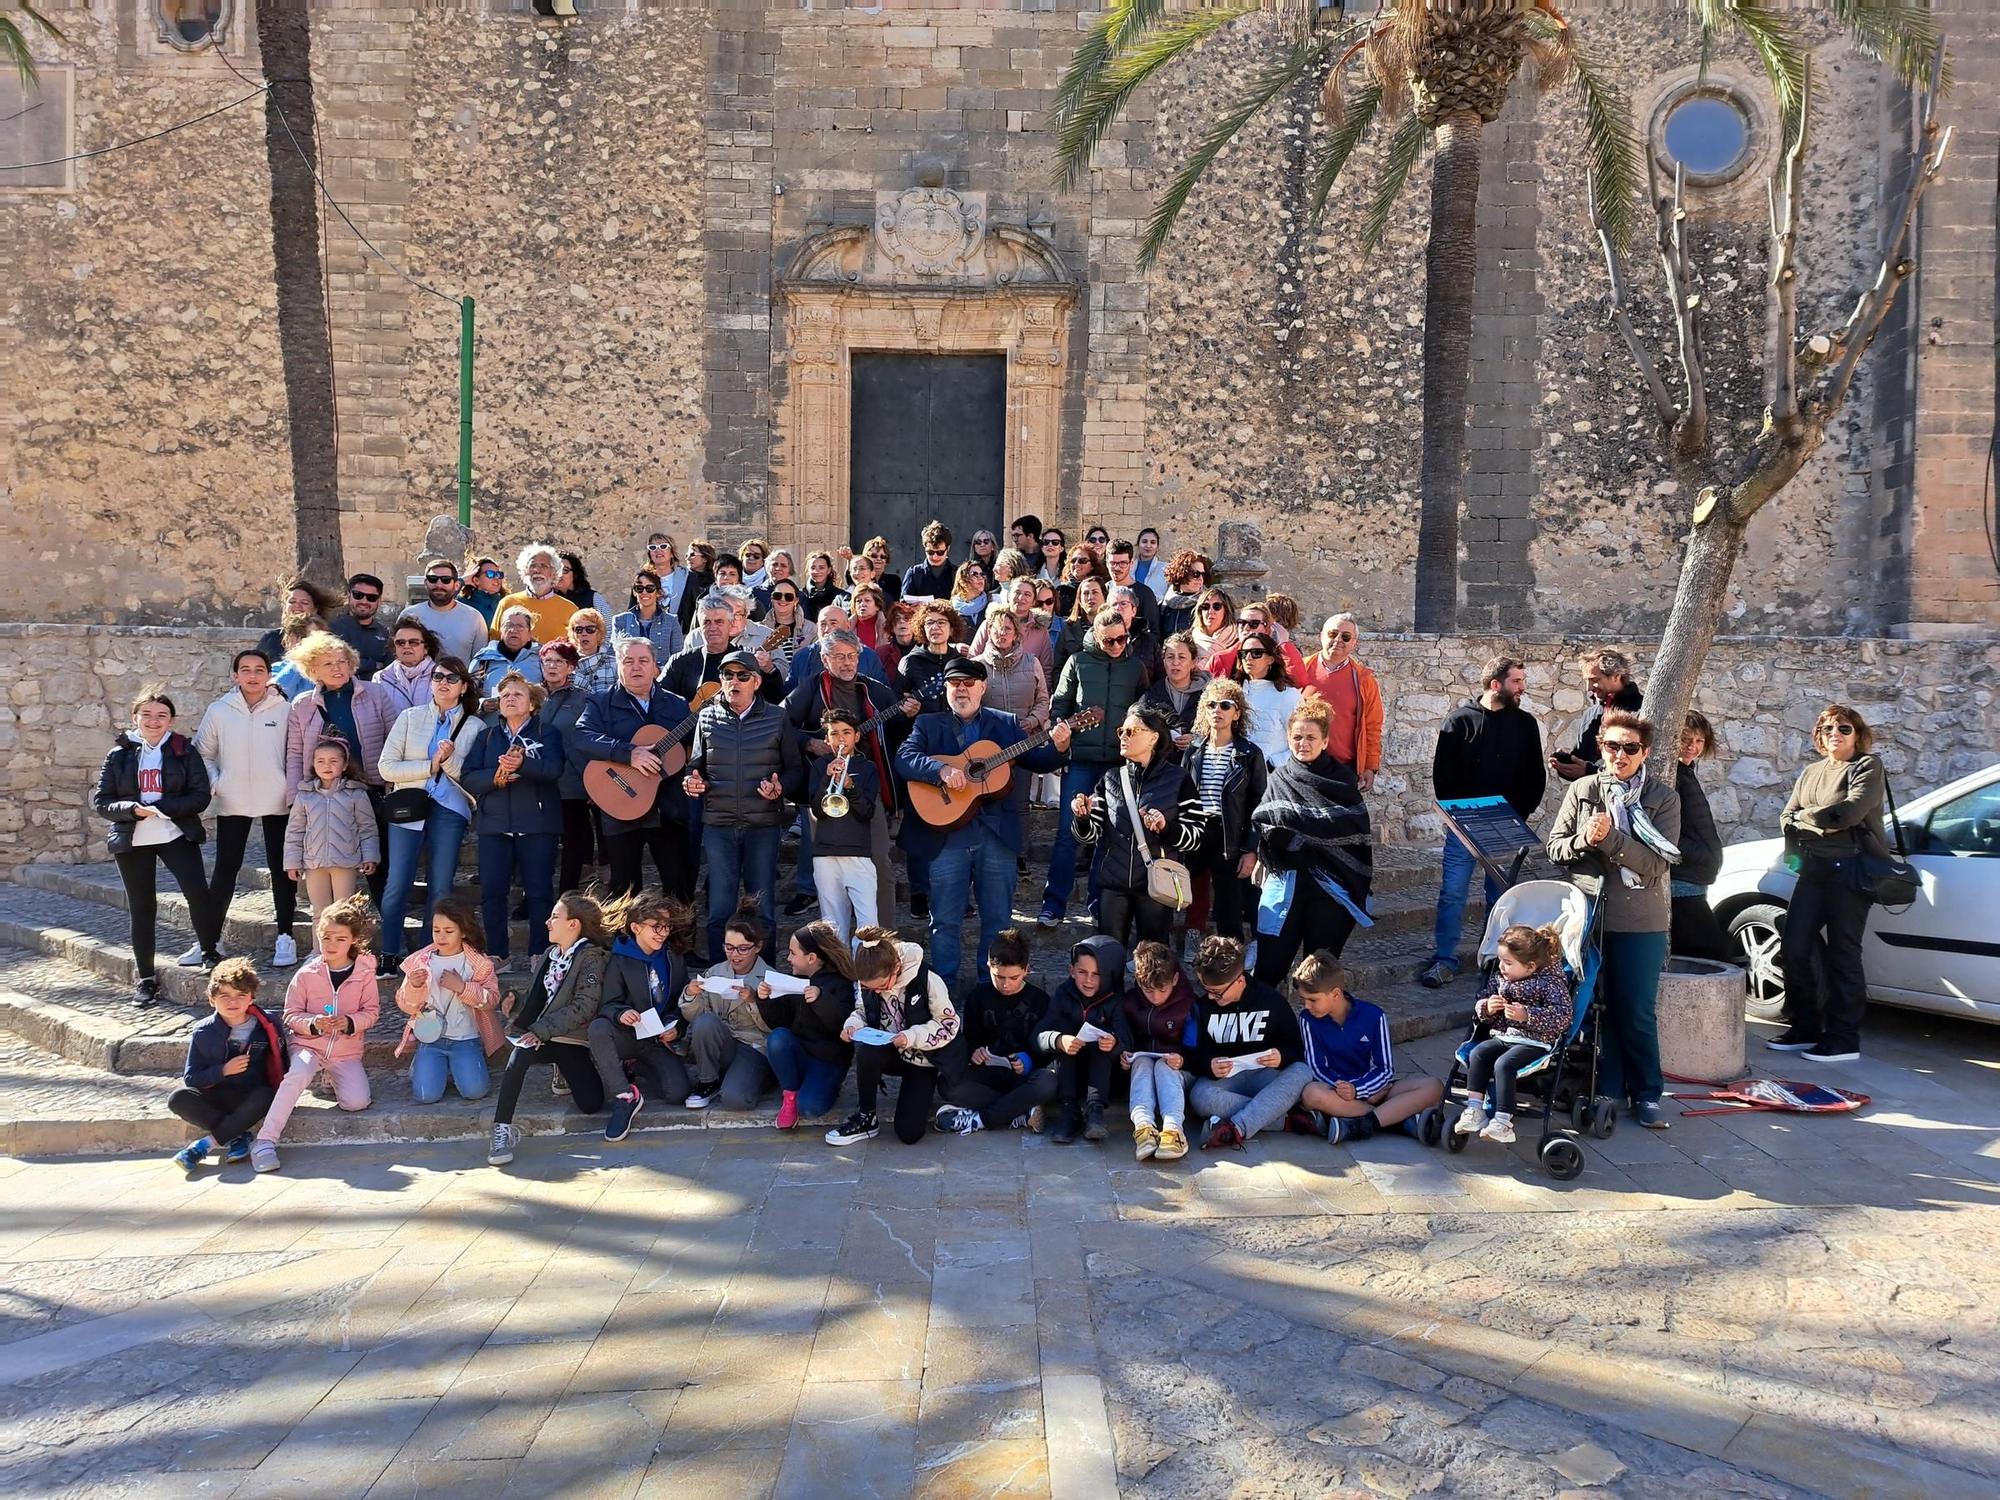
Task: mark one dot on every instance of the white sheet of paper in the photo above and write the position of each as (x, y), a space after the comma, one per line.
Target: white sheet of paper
(1091, 1033)
(1248, 1062)
(874, 1036)
(726, 988)
(154, 830)
(786, 984)
(650, 1023)
(524, 1040)
(1142, 1056)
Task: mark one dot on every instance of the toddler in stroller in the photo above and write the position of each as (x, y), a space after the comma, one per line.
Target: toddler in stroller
(1527, 1003)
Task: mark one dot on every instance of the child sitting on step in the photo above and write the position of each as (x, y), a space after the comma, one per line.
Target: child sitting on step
(1355, 1090)
(329, 1006)
(1529, 1003)
(235, 1062)
(452, 997)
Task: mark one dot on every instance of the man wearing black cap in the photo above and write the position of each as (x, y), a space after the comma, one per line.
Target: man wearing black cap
(981, 853)
(746, 761)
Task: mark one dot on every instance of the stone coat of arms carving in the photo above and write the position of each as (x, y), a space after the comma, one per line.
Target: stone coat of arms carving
(931, 231)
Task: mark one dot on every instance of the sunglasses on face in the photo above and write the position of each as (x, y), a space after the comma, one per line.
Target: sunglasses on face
(785, 598)
(1621, 747)
(1126, 731)
(646, 588)
(737, 677)
(416, 645)
(1111, 640)
(1255, 653)
(446, 677)
(1213, 609)
(1842, 730)
(937, 552)
(1341, 635)
(659, 546)
(1224, 708)
(362, 596)
(439, 578)
(588, 630)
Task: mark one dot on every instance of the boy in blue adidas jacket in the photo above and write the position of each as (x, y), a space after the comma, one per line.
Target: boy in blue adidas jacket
(1355, 1091)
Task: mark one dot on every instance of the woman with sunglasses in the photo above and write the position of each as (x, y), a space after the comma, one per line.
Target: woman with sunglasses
(1049, 557)
(1186, 576)
(649, 618)
(596, 662)
(1081, 564)
(1268, 688)
(1230, 772)
(1148, 785)
(1086, 600)
(969, 594)
(1258, 618)
(985, 547)
(1353, 694)
(695, 580)
(422, 762)
(1623, 827)
(790, 631)
(1214, 630)
(754, 554)
(1833, 817)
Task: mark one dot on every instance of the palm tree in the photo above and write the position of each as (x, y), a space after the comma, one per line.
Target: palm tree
(1434, 73)
(284, 38)
(1431, 73)
(14, 40)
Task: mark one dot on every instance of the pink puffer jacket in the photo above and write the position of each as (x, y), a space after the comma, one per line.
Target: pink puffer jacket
(311, 991)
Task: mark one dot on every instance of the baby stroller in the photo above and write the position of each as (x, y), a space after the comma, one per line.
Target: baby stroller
(1565, 1079)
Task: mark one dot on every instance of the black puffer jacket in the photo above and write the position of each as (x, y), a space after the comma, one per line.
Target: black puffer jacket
(1165, 787)
(816, 1023)
(184, 789)
(1700, 844)
(735, 753)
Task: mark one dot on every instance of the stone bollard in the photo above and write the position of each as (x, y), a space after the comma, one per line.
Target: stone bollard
(1701, 1020)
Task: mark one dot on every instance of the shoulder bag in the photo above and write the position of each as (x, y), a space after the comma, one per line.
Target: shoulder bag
(1886, 880)
(1167, 880)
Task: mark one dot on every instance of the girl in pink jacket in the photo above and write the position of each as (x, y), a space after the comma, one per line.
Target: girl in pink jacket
(452, 997)
(329, 1006)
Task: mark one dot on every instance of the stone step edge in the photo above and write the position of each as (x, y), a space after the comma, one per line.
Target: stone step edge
(112, 962)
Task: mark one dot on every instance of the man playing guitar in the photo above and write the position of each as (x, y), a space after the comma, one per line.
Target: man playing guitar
(839, 684)
(980, 852)
(605, 731)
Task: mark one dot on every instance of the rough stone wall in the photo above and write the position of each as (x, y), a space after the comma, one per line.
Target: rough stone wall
(1932, 704)
(146, 472)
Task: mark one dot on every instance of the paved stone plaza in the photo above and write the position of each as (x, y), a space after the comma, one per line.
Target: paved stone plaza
(1761, 1306)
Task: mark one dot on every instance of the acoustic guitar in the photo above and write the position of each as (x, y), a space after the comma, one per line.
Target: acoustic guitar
(988, 770)
(624, 791)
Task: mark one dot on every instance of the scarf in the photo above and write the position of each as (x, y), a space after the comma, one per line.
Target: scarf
(1621, 801)
(1207, 646)
(1312, 819)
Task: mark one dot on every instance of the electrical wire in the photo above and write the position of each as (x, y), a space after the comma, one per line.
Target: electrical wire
(56, 161)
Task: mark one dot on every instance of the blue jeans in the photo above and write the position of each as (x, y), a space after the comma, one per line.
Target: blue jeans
(444, 831)
(465, 1061)
(1454, 890)
(501, 856)
(746, 859)
(987, 866)
(816, 1083)
(1076, 777)
(1628, 992)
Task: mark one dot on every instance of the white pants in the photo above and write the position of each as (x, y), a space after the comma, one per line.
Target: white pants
(846, 885)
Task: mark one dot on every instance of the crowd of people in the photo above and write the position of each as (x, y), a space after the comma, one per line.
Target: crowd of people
(1209, 779)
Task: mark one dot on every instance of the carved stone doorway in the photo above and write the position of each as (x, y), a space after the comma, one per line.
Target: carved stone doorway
(930, 275)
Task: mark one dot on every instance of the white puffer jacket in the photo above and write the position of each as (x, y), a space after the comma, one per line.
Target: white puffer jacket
(245, 751)
(406, 753)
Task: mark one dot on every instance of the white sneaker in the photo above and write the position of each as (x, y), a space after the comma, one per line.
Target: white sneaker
(1500, 1130)
(505, 1138)
(264, 1155)
(284, 952)
(192, 958)
(1471, 1120)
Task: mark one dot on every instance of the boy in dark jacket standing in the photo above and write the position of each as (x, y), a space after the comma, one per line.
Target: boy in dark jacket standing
(1000, 1085)
(1249, 1059)
(1489, 746)
(843, 858)
(235, 1060)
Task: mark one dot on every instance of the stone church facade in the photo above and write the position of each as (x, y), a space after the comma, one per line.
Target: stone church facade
(684, 221)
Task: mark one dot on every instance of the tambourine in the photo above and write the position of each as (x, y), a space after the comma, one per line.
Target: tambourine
(427, 1026)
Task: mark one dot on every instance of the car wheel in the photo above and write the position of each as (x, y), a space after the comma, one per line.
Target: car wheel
(1759, 935)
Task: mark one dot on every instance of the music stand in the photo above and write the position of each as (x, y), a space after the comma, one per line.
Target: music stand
(1498, 837)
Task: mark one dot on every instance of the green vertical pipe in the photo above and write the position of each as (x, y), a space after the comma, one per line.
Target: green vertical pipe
(465, 412)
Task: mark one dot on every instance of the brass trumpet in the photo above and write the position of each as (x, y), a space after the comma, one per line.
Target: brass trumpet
(834, 803)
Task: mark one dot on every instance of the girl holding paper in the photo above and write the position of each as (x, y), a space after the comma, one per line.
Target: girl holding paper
(727, 1032)
(806, 1015)
(638, 1020)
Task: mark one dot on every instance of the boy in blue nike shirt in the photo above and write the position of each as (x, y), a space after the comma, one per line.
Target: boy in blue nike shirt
(1355, 1091)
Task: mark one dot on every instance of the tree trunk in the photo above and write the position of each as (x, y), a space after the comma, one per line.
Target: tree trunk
(284, 37)
(1450, 266)
(1699, 606)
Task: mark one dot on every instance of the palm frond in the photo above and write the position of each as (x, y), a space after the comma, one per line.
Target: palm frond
(1124, 23)
(1613, 153)
(1104, 96)
(1406, 147)
(14, 41)
(1268, 86)
(1391, 59)
(1340, 145)
(1902, 33)
(1779, 46)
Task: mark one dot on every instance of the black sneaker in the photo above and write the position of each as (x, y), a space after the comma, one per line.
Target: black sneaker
(1791, 1039)
(857, 1127)
(800, 904)
(920, 906)
(704, 1090)
(238, 1150)
(1069, 1124)
(1833, 1052)
(1093, 1119)
(951, 1119)
(147, 991)
(623, 1109)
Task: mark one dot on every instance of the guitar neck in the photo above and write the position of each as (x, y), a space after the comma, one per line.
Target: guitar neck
(1028, 746)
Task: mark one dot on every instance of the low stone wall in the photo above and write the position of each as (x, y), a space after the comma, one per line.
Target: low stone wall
(65, 689)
